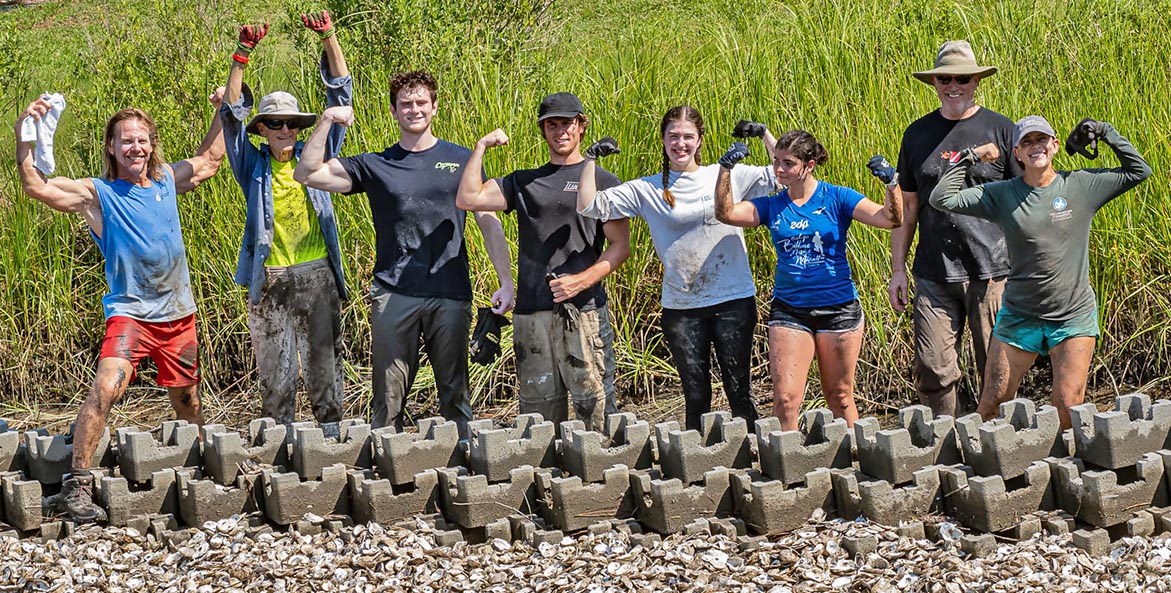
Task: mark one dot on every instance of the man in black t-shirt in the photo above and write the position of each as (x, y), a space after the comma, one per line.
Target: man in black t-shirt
(961, 261)
(562, 335)
(421, 286)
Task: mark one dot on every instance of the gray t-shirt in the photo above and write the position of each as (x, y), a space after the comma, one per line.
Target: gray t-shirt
(705, 261)
(1047, 229)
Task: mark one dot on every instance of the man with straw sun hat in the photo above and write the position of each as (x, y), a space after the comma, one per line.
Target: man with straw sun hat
(960, 262)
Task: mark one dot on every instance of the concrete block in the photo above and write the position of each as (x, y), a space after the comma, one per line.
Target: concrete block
(1095, 542)
(787, 455)
(1009, 444)
(1118, 438)
(202, 500)
(666, 506)
(1106, 497)
(894, 455)
(471, 502)
(312, 452)
(987, 503)
(978, 545)
(124, 500)
(646, 540)
(588, 454)
(1028, 526)
(768, 507)
(494, 452)
(287, 498)
(857, 494)
(861, 545)
(568, 505)
(399, 457)
(140, 455)
(500, 529)
(224, 450)
(1140, 524)
(448, 538)
(57, 530)
(728, 526)
(687, 455)
(13, 451)
(50, 457)
(22, 501)
(911, 530)
(380, 501)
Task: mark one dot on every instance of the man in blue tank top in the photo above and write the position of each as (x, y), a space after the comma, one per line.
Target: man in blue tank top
(133, 216)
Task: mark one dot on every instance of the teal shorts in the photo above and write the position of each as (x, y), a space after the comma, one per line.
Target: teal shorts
(1039, 335)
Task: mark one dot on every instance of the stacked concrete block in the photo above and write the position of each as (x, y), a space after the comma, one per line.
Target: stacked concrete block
(203, 500)
(400, 457)
(471, 502)
(494, 452)
(769, 507)
(22, 501)
(224, 450)
(588, 454)
(666, 506)
(50, 457)
(380, 501)
(895, 455)
(13, 451)
(1009, 444)
(313, 452)
(687, 455)
(125, 500)
(986, 503)
(140, 455)
(287, 498)
(857, 494)
(788, 455)
(1119, 438)
(569, 505)
(1097, 497)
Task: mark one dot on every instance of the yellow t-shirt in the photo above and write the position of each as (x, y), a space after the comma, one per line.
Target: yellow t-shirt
(296, 234)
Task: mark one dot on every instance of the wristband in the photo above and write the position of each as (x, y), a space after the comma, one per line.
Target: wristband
(241, 48)
(894, 180)
(239, 59)
(328, 33)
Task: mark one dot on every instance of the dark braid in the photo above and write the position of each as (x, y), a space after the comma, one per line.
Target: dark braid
(678, 113)
(667, 197)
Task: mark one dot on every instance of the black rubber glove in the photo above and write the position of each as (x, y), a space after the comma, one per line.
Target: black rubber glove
(485, 344)
(604, 147)
(748, 129)
(882, 169)
(735, 154)
(1083, 138)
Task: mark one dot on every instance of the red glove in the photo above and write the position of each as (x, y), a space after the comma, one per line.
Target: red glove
(250, 35)
(319, 22)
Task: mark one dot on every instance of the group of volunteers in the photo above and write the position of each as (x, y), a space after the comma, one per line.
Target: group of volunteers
(1003, 250)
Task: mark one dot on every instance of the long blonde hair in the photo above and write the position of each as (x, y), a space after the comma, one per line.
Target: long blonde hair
(154, 165)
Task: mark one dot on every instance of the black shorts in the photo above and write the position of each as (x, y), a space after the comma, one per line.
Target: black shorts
(834, 318)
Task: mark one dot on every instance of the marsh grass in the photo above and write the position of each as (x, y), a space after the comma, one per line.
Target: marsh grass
(839, 70)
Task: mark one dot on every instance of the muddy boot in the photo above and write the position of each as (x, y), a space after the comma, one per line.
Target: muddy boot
(77, 499)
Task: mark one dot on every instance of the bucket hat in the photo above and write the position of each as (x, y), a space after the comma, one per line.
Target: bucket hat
(283, 105)
(955, 58)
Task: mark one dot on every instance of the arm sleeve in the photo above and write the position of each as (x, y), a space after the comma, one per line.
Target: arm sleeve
(620, 201)
(242, 155)
(508, 188)
(1107, 184)
(338, 91)
(764, 210)
(355, 168)
(752, 182)
(908, 176)
(948, 196)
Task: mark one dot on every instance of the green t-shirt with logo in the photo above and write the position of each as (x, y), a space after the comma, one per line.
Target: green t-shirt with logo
(296, 234)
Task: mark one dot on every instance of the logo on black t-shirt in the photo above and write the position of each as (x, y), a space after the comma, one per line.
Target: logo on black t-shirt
(449, 167)
(570, 186)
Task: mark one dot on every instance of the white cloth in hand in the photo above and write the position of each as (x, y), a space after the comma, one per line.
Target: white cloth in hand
(41, 131)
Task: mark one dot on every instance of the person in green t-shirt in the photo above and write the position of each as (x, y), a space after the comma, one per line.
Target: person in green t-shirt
(1049, 305)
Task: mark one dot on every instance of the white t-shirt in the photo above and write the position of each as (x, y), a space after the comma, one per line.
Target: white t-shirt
(705, 261)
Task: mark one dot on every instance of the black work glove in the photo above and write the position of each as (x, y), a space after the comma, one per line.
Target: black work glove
(882, 169)
(748, 129)
(735, 154)
(1083, 138)
(485, 345)
(604, 147)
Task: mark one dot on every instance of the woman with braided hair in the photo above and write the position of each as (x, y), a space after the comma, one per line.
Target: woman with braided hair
(708, 292)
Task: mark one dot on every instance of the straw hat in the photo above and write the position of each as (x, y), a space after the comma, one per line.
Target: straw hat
(955, 58)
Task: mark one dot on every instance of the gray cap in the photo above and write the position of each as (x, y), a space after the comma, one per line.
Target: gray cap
(281, 105)
(1028, 124)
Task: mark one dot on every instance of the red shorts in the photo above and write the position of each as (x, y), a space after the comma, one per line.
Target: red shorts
(171, 344)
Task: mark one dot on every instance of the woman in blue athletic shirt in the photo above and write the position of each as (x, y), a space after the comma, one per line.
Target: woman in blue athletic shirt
(815, 309)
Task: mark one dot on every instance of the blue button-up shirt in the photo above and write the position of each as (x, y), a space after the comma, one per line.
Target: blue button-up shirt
(250, 165)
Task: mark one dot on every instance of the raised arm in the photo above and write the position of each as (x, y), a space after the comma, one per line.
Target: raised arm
(617, 251)
(1133, 169)
(312, 168)
(750, 129)
(237, 106)
(888, 215)
(587, 186)
(497, 246)
(474, 193)
(335, 75)
(741, 214)
(59, 193)
(949, 194)
(190, 172)
(322, 24)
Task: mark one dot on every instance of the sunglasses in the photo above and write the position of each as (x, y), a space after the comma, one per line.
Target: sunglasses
(276, 124)
(947, 79)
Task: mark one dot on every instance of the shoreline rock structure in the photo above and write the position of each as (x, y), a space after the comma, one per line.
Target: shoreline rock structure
(1010, 477)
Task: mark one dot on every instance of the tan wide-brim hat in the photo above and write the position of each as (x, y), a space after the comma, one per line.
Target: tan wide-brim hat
(955, 58)
(283, 105)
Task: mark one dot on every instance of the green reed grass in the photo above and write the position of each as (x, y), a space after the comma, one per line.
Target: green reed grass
(839, 70)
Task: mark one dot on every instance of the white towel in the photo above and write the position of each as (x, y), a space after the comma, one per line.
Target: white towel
(41, 131)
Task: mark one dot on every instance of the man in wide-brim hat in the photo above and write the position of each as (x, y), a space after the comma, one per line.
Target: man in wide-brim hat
(961, 262)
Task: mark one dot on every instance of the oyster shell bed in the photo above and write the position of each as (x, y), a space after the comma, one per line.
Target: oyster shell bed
(228, 555)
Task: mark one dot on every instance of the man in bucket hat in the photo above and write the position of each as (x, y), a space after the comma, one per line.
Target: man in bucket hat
(290, 259)
(562, 336)
(960, 262)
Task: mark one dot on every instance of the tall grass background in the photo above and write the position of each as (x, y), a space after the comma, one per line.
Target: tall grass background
(838, 69)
